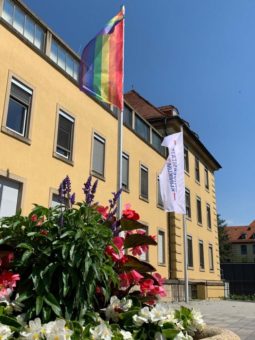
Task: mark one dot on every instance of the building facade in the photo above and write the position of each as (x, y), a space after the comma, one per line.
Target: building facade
(49, 129)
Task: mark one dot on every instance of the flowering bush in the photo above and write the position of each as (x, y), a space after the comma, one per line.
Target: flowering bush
(72, 260)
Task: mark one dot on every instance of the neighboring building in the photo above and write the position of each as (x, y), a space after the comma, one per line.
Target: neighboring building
(242, 240)
(49, 129)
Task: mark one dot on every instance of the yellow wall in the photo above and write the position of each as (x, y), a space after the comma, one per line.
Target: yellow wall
(236, 255)
(35, 165)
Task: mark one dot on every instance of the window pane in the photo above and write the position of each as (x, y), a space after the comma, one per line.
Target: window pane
(243, 249)
(197, 173)
(69, 65)
(39, 37)
(186, 160)
(125, 167)
(190, 252)
(54, 51)
(156, 142)
(201, 255)
(127, 116)
(144, 182)
(160, 202)
(142, 128)
(211, 257)
(29, 32)
(9, 193)
(16, 117)
(19, 20)
(188, 207)
(65, 136)
(199, 211)
(76, 70)
(161, 247)
(206, 178)
(208, 213)
(8, 10)
(61, 57)
(98, 156)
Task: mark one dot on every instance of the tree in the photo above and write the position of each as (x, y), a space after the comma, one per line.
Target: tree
(224, 245)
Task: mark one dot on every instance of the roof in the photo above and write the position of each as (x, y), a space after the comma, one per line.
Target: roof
(167, 113)
(235, 233)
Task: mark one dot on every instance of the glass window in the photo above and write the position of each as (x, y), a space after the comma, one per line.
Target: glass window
(125, 171)
(253, 248)
(142, 128)
(199, 211)
(156, 142)
(127, 116)
(208, 216)
(201, 255)
(187, 200)
(243, 249)
(144, 182)
(98, 155)
(197, 172)
(161, 247)
(206, 178)
(65, 135)
(159, 200)
(186, 159)
(55, 201)
(19, 108)
(211, 265)
(23, 23)
(54, 51)
(10, 192)
(190, 251)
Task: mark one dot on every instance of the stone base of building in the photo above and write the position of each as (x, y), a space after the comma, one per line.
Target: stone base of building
(201, 290)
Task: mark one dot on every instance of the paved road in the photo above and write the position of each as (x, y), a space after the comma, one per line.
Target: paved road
(238, 316)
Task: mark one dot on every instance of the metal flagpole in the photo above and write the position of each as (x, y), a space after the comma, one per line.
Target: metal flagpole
(185, 252)
(120, 132)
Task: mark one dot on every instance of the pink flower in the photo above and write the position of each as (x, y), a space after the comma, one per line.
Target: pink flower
(34, 218)
(158, 290)
(124, 280)
(160, 280)
(8, 280)
(129, 213)
(135, 276)
(116, 256)
(103, 211)
(40, 222)
(146, 286)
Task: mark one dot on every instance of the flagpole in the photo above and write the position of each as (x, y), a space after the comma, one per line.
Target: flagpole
(120, 131)
(185, 252)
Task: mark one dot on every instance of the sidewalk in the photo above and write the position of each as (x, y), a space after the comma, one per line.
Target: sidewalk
(238, 316)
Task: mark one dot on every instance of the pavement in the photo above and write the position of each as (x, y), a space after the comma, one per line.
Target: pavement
(238, 316)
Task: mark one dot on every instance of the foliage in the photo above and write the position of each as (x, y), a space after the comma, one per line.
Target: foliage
(224, 245)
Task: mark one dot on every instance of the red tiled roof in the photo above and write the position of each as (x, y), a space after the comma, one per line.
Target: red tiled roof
(142, 105)
(235, 232)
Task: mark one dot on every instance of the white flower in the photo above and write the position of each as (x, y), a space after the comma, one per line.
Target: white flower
(159, 336)
(143, 317)
(57, 330)
(197, 320)
(101, 332)
(116, 306)
(182, 336)
(33, 331)
(126, 335)
(5, 332)
(158, 313)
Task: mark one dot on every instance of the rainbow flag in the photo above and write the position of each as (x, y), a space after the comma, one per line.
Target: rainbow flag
(101, 67)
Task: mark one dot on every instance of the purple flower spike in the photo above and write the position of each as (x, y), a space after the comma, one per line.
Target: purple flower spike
(94, 187)
(67, 184)
(72, 198)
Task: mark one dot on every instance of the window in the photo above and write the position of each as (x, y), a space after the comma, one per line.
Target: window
(253, 248)
(156, 142)
(190, 251)
(125, 171)
(19, 108)
(187, 200)
(159, 198)
(145, 255)
(98, 155)
(186, 159)
(243, 249)
(64, 59)
(10, 195)
(144, 192)
(197, 173)
(65, 135)
(161, 247)
(199, 211)
(127, 116)
(23, 24)
(142, 128)
(55, 200)
(243, 236)
(211, 265)
(208, 216)
(201, 255)
(206, 179)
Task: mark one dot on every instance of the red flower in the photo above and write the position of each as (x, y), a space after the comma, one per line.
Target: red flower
(116, 255)
(7, 280)
(44, 232)
(34, 218)
(160, 280)
(103, 211)
(135, 276)
(124, 280)
(158, 290)
(40, 222)
(146, 286)
(129, 213)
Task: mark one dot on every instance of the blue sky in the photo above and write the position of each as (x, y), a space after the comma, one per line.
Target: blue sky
(197, 55)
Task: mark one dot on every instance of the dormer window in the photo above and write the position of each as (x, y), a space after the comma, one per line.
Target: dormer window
(253, 236)
(243, 236)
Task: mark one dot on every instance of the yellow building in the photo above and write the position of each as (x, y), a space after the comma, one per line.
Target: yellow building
(50, 129)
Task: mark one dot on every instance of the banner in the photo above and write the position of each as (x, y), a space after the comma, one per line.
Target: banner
(171, 178)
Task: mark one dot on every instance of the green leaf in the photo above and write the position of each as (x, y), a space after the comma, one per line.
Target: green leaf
(130, 224)
(170, 333)
(25, 246)
(12, 322)
(53, 303)
(26, 256)
(135, 240)
(65, 277)
(38, 305)
(135, 263)
(24, 296)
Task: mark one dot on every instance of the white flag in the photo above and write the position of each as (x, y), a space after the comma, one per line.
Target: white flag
(171, 178)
